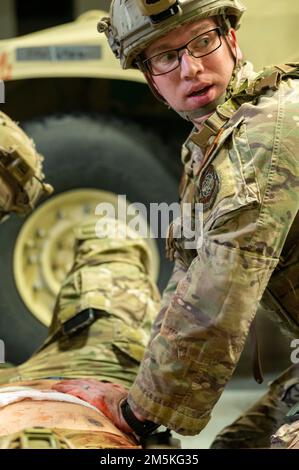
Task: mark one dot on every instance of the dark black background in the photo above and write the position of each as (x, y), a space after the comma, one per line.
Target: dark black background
(33, 15)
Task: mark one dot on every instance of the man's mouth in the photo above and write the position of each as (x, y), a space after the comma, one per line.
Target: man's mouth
(202, 91)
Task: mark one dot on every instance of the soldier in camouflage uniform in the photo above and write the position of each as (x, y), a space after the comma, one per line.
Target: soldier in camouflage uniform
(100, 327)
(241, 163)
(101, 324)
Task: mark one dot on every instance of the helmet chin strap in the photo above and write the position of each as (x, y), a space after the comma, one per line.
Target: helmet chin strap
(203, 110)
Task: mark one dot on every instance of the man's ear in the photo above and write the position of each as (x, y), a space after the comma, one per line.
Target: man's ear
(233, 41)
(232, 37)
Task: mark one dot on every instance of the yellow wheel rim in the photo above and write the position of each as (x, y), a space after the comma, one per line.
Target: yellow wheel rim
(44, 250)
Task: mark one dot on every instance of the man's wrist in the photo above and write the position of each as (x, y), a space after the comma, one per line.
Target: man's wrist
(139, 425)
(138, 415)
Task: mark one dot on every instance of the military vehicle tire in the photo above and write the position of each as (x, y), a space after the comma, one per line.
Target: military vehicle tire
(82, 151)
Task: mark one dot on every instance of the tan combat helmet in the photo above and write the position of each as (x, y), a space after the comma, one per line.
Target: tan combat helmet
(21, 176)
(134, 24)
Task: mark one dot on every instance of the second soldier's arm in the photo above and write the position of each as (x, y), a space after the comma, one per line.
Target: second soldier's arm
(178, 273)
(204, 328)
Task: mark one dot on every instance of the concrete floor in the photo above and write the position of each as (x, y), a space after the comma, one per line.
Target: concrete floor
(237, 398)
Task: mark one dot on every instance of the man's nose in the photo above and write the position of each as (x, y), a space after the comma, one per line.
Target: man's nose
(190, 66)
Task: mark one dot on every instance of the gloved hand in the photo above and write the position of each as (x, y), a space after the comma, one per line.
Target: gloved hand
(105, 396)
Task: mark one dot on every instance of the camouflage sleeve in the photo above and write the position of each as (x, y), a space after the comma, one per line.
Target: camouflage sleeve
(179, 271)
(203, 332)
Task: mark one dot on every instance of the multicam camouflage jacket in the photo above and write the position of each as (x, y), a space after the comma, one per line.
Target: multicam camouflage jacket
(243, 167)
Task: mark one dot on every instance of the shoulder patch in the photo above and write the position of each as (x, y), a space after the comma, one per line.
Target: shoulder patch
(209, 184)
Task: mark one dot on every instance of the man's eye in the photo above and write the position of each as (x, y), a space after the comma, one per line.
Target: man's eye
(201, 43)
(167, 57)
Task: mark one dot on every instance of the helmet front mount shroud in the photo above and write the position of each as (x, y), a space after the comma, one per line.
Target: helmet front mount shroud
(135, 24)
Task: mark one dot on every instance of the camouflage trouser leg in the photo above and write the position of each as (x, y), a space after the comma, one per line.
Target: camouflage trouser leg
(256, 426)
(104, 311)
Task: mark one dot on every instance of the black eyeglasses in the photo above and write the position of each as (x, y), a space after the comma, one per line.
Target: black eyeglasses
(200, 46)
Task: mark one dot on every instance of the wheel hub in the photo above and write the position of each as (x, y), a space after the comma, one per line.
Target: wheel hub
(44, 250)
